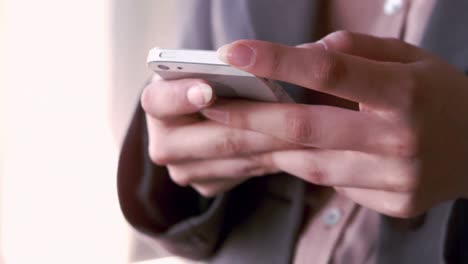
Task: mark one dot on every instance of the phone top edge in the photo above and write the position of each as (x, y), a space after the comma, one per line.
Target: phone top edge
(201, 61)
(187, 56)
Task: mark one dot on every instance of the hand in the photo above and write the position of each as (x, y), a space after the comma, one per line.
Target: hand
(210, 157)
(403, 152)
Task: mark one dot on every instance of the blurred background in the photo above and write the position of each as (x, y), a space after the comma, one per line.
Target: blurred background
(70, 76)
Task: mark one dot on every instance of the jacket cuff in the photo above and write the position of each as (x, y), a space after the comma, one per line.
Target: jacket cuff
(183, 221)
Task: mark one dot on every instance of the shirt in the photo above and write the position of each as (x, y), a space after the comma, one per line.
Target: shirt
(335, 229)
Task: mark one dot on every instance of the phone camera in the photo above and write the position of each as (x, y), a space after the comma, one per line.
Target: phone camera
(163, 67)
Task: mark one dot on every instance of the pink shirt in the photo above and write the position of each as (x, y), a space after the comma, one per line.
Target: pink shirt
(336, 230)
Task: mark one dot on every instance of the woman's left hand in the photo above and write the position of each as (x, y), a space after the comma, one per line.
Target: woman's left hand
(403, 152)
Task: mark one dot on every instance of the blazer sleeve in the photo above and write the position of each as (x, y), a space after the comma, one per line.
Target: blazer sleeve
(178, 218)
(181, 220)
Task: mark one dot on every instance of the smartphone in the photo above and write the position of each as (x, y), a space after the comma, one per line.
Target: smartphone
(227, 81)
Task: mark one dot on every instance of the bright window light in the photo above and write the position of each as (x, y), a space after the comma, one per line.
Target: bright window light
(58, 198)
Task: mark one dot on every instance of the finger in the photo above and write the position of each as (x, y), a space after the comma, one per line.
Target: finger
(348, 169)
(391, 204)
(167, 99)
(221, 169)
(316, 126)
(374, 48)
(211, 189)
(208, 140)
(346, 76)
(176, 121)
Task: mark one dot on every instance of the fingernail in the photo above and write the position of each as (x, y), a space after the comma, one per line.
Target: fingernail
(200, 94)
(216, 115)
(238, 55)
(323, 44)
(319, 44)
(305, 45)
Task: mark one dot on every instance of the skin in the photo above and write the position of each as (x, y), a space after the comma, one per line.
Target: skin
(404, 151)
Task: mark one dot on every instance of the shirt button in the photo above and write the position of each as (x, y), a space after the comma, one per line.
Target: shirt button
(392, 7)
(332, 217)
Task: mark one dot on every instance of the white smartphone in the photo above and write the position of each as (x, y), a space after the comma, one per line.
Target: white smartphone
(227, 81)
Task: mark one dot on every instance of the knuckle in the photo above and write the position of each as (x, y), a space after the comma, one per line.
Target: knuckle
(406, 145)
(317, 176)
(298, 128)
(206, 191)
(329, 70)
(405, 209)
(159, 155)
(341, 40)
(405, 179)
(238, 119)
(253, 167)
(250, 170)
(274, 68)
(230, 144)
(179, 176)
(409, 88)
(146, 98)
(265, 163)
(161, 99)
(158, 146)
(401, 183)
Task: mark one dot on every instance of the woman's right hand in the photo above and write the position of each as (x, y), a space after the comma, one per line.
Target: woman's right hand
(210, 157)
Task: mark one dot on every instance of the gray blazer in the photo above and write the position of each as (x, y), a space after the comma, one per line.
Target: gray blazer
(258, 222)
